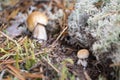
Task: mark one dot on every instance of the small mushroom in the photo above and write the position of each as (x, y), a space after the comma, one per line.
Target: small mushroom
(83, 54)
(36, 22)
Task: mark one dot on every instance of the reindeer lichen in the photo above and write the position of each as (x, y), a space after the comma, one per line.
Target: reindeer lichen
(97, 27)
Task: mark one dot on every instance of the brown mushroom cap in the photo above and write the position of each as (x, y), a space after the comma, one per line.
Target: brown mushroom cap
(83, 53)
(34, 18)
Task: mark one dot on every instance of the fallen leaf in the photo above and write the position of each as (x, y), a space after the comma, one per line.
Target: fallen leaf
(13, 14)
(33, 75)
(9, 2)
(16, 30)
(16, 72)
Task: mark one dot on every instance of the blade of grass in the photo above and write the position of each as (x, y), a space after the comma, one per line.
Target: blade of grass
(18, 47)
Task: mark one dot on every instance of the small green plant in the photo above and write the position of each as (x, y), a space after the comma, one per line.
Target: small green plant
(29, 51)
(101, 77)
(65, 72)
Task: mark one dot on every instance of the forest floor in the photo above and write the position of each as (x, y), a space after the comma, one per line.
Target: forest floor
(22, 58)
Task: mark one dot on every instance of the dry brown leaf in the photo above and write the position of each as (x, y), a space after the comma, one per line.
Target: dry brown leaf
(8, 61)
(9, 2)
(7, 78)
(13, 14)
(22, 75)
(58, 3)
(33, 75)
(16, 72)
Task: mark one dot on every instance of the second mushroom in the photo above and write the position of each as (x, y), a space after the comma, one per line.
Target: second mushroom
(83, 54)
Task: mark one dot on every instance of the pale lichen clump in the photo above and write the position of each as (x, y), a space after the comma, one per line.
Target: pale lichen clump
(97, 28)
(106, 28)
(77, 22)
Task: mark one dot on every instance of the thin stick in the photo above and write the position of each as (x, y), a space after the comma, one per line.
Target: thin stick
(115, 64)
(87, 76)
(59, 36)
(15, 72)
(9, 38)
(52, 65)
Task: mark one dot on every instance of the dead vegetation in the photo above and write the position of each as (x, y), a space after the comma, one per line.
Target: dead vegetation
(23, 58)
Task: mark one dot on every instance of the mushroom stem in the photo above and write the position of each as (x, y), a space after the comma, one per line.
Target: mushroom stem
(82, 62)
(40, 33)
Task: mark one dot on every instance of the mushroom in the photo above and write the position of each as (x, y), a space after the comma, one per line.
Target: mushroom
(83, 54)
(36, 22)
